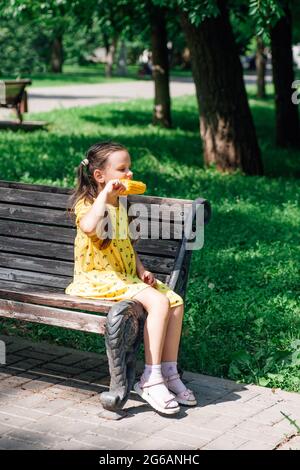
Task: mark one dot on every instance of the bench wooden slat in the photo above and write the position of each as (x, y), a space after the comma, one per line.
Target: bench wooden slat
(49, 296)
(67, 192)
(66, 268)
(37, 248)
(26, 81)
(40, 215)
(31, 198)
(60, 201)
(28, 226)
(59, 218)
(34, 231)
(57, 200)
(34, 187)
(157, 247)
(49, 280)
(40, 265)
(65, 236)
(35, 278)
(52, 316)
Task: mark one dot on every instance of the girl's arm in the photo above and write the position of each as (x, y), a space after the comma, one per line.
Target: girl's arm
(140, 268)
(143, 274)
(89, 221)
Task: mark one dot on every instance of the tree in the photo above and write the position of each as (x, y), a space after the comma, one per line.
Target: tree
(113, 21)
(160, 67)
(274, 20)
(287, 116)
(53, 17)
(261, 62)
(226, 125)
(244, 30)
(149, 20)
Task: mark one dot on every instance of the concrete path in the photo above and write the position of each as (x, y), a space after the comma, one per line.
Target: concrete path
(49, 399)
(49, 98)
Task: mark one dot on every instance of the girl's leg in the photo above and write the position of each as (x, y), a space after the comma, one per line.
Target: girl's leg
(173, 334)
(157, 306)
(151, 386)
(170, 355)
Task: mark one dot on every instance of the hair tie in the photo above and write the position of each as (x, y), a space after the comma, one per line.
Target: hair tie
(84, 162)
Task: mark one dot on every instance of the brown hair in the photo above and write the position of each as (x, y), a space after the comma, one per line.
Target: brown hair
(97, 156)
(86, 188)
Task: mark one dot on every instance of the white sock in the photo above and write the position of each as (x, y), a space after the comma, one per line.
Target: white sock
(159, 392)
(170, 368)
(153, 372)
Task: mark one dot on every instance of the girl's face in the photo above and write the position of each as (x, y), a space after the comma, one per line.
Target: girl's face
(117, 166)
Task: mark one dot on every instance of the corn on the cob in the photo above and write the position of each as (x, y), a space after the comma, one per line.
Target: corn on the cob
(133, 187)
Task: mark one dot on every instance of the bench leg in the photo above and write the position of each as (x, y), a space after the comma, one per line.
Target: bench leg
(19, 114)
(124, 334)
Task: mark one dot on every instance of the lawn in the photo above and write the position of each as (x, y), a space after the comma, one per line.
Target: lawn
(78, 75)
(242, 316)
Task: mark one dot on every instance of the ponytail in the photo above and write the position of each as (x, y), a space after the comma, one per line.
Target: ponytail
(86, 187)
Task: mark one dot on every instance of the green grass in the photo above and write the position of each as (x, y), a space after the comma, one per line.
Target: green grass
(78, 75)
(85, 75)
(95, 73)
(242, 316)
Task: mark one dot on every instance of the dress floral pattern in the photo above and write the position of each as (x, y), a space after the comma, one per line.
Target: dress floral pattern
(109, 273)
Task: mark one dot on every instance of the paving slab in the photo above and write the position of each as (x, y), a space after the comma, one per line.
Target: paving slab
(49, 399)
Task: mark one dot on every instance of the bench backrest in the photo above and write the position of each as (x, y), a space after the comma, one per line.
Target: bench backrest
(14, 90)
(37, 236)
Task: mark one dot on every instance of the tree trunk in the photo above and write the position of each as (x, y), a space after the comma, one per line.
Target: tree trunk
(160, 68)
(226, 125)
(122, 60)
(57, 55)
(261, 62)
(110, 57)
(287, 117)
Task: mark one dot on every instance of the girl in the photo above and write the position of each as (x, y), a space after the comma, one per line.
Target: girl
(111, 269)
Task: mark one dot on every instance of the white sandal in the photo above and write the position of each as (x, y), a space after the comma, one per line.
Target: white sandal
(141, 388)
(184, 398)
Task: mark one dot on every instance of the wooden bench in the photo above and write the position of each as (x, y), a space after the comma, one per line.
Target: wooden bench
(36, 264)
(16, 96)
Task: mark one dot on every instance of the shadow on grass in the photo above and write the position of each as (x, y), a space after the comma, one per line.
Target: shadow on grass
(183, 120)
(55, 157)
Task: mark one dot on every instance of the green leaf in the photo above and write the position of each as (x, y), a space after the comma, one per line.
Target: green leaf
(263, 381)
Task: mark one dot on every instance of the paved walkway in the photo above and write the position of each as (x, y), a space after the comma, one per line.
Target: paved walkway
(69, 96)
(49, 399)
(49, 98)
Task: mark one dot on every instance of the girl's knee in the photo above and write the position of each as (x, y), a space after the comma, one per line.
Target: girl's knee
(152, 299)
(178, 310)
(160, 300)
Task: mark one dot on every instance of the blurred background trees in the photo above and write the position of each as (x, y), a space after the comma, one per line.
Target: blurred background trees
(217, 40)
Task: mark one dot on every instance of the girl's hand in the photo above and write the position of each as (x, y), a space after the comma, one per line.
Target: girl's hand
(114, 188)
(148, 278)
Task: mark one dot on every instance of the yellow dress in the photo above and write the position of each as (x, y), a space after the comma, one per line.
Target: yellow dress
(109, 273)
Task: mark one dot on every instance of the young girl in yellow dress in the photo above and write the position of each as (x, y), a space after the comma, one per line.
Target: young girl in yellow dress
(111, 269)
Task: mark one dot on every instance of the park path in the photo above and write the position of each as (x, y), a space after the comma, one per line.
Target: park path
(49, 399)
(69, 96)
